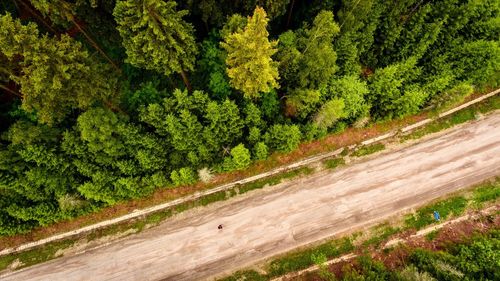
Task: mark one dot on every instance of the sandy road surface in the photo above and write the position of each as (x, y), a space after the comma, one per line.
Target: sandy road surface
(276, 220)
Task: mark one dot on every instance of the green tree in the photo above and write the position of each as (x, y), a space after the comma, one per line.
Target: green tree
(249, 63)
(184, 176)
(353, 92)
(301, 102)
(198, 129)
(392, 93)
(318, 65)
(239, 160)
(283, 137)
(306, 56)
(307, 63)
(329, 113)
(62, 13)
(34, 176)
(211, 68)
(117, 158)
(260, 151)
(57, 75)
(274, 8)
(156, 37)
(224, 126)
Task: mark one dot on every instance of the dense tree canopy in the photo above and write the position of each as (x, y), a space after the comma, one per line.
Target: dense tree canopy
(90, 113)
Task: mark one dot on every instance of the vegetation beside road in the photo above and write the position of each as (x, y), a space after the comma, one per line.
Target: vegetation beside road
(138, 225)
(475, 198)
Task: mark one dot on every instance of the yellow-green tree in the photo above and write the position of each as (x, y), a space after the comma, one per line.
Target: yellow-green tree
(56, 75)
(249, 64)
(156, 37)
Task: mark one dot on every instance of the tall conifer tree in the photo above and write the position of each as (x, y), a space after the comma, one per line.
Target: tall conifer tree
(249, 63)
(56, 74)
(156, 37)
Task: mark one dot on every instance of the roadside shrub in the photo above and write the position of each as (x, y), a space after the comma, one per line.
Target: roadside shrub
(205, 174)
(451, 97)
(183, 176)
(240, 158)
(283, 137)
(311, 131)
(260, 151)
(480, 260)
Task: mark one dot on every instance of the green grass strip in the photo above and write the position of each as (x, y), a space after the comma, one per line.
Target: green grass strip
(459, 117)
(334, 163)
(424, 216)
(369, 149)
(301, 259)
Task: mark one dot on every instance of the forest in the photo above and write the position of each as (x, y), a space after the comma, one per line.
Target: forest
(103, 101)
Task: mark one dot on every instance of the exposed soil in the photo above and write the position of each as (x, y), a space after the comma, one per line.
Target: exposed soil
(395, 258)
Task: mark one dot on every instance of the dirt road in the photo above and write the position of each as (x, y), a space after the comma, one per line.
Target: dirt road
(278, 219)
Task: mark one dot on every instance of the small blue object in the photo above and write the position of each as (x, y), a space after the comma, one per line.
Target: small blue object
(437, 216)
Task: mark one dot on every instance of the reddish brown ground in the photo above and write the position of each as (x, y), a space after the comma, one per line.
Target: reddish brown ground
(395, 258)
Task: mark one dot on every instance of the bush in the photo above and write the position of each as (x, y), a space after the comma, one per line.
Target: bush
(311, 131)
(283, 137)
(240, 158)
(184, 176)
(329, 113)
(451, 97)
(205, 175)
(260, 151)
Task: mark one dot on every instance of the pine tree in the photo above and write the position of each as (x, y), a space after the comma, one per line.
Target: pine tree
(63, 13)
(156, 37)
(274, 8)
(249, 63)
(57, 74)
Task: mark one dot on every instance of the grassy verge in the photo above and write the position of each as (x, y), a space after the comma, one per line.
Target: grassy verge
(487, 192)
(424, 216)
(29, 258)
(333, 163)
(369, 149)
(459, 117)
(49, 251)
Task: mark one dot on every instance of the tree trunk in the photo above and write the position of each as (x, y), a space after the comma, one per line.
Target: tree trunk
(186, 80)
(38, 16)
(10, 91)
(290, 14)
(94, 44)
